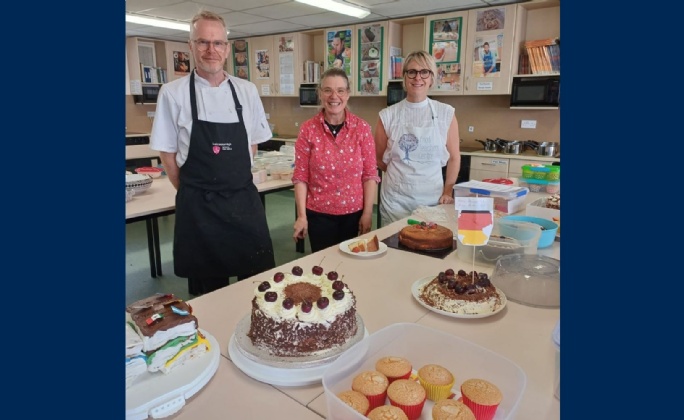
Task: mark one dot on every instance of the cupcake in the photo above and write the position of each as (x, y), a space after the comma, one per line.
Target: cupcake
(482, 397)
(387, 412)
(408, 395)
(355, 400)
(437, 381)
(394, 368)
(373, 385)
(451, 410)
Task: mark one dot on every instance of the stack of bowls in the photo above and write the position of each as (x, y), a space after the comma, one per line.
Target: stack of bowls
(138, 182)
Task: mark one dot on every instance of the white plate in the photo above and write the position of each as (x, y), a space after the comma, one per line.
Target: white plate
(274, 375)
(173, 389)
(416, 294)
(344, 247)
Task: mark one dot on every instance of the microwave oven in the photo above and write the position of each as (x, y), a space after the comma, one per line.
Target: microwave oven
(535, 91)
(395, 92)
(149, 95)
(308, 94)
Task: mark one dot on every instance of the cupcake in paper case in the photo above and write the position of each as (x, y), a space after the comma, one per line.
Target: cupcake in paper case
(451, 410)
(482, 397)
(437, 381)
(387, 412)
(394, 367)
(373, 385)
(355, 400)
(408, 395)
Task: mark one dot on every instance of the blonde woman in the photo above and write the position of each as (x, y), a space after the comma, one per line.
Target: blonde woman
(414, 139)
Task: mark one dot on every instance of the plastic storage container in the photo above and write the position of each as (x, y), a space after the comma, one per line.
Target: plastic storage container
(488, 189)
(541, 172)
(540, 185)
(422, 345)
(532, 280)
(521, 239)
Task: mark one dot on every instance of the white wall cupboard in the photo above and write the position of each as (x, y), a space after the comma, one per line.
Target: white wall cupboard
(457, 42)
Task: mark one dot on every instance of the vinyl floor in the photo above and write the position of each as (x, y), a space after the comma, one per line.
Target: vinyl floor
(280, 214)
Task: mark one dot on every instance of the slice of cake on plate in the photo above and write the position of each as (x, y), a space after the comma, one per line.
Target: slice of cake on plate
(168, 331)
(136, 361)
(365, 245)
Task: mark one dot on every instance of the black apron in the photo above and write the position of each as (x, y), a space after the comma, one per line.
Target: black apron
(221, 229)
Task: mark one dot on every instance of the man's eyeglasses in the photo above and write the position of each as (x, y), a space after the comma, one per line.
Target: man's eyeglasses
(424, 73)
(329, 91)
(203, 45)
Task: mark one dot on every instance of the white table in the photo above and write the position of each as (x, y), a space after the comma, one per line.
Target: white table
(382, 286)
(160, 200)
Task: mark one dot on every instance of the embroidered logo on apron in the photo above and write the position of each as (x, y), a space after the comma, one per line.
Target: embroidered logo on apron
(216, 149)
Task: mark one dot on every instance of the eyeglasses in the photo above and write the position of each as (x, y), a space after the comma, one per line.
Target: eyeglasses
(329, 91)
(424, 73)
(203, 45)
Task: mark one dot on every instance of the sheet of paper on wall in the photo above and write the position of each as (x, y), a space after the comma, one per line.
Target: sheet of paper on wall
(475, 219)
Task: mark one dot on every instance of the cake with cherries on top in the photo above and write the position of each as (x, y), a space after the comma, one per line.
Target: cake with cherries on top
(462, 293)
(296, 314)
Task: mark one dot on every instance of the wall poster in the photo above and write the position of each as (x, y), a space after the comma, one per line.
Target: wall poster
(371, 57)
(262, 66)
(286, 46)
(445, 47)
(340, 49)
(181, 63)
(487, 47)
(240, 59)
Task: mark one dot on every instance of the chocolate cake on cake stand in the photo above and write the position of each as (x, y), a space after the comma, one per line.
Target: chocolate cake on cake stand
(259, 364)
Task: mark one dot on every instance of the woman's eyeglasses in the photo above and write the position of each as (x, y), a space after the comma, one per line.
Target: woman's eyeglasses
(424, 73)
(329, 91)
(203, 45)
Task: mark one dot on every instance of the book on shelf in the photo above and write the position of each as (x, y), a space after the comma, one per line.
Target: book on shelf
(312, 71)
(543, 56)
(396, 65)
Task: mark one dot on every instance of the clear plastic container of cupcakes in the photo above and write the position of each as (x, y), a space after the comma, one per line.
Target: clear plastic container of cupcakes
(540, 185)
(417, 344)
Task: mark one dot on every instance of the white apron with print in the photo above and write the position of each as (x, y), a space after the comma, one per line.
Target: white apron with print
(414, 172)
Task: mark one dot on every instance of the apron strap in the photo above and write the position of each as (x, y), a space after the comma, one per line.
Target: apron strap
(193, 105)
(238, 105)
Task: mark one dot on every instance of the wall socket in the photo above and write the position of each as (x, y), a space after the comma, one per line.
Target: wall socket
(471, 128)
(268, 116)
(150, 114)
(528, 124)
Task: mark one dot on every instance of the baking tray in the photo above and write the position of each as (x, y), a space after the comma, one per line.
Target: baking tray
(393, 242)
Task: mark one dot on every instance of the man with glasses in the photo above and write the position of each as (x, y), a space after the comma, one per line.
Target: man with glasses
(414, 139)
(207, 126)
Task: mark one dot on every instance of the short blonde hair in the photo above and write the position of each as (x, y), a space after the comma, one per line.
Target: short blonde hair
(424, 60)
(206, 15)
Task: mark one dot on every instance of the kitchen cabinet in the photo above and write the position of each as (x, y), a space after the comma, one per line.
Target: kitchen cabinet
(499, 30)
(143, 52)
(397, 37)
(173, 58)
(488, 167)
(294, 51)
(463, 42)
(373, 59)
(260, 59)
(340, 50)
(179, 61)
(277, 62)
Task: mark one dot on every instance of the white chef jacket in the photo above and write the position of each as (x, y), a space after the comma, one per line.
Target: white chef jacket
(173, 117)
